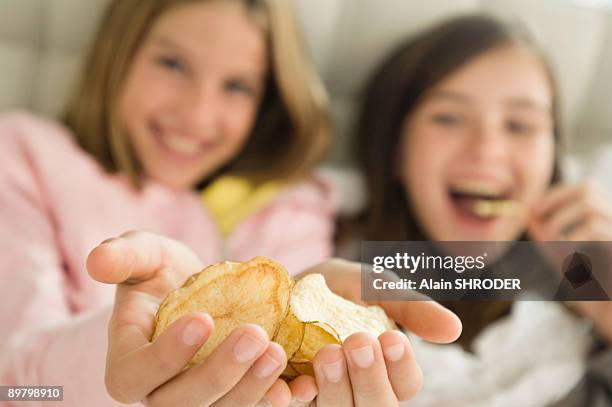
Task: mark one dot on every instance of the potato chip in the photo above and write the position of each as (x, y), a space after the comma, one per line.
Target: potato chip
(303, 368)
(302, 317)
(290, 334)
(316, 335)
(488, 208)
(289, 372)
(312, 301)
(233, 294)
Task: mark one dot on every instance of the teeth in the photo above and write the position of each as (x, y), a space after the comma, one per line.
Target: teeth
(180, 145)
(473, 188)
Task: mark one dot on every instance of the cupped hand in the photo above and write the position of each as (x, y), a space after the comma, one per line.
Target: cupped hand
(241, 371)
(368, 371)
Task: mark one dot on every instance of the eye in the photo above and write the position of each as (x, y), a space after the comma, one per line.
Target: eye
(172, 64)
(519, 127)
(239, 86)
(447, 119)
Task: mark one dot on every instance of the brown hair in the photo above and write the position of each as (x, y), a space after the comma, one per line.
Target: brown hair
(289, 136)
(393, 93)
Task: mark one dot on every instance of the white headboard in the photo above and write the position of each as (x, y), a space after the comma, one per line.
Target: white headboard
(42, 43)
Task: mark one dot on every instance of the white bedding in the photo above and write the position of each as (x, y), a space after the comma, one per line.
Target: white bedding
(531, 358)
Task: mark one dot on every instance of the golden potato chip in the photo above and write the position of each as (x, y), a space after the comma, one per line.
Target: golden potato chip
(329, 319)
(289, 372)
(303, 368)
(488, 208)
(290, 334)
(302, 317)
(233, 294)
(312, 301)
(316, 335)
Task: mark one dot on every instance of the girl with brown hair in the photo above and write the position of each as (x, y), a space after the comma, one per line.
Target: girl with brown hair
(465, 113)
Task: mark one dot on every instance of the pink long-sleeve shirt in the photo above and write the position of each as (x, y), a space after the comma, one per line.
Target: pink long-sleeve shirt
(57, 203)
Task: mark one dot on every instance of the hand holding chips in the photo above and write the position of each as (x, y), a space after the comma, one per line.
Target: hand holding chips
(146, 268)
(303, 317)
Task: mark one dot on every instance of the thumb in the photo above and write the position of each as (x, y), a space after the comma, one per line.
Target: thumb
(536, 228)
(426, 318)
(139, 256)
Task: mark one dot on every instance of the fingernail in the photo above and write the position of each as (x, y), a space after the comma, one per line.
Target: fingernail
(362, 357)
(105, 241)
(111, 242)
(394, 352)
(264, 402)
(193, 333)
(247, 348)
(333, 371)
(265, 366)
(299, 403)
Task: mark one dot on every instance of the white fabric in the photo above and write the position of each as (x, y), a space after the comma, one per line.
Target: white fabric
(515, 362)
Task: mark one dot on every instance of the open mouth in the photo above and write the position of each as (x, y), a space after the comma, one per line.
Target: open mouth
(483, 201)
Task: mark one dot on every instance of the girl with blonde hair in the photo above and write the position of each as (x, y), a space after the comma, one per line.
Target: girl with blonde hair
(201, 121)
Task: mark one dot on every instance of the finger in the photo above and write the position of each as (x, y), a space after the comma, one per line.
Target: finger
(427, 319)
(303, 391)
(132, 361)
(559, 195)
(561, 221)
(279, 395)
(591, 230)
(207, 382)
(367, 371)
(138, 256)
(404, 373)
(536, 229)
(131, 324)
(130, 377)
(339, 269)
(257, 380)
(332, 378)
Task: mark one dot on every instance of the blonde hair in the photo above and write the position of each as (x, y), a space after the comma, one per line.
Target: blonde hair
(289, 136)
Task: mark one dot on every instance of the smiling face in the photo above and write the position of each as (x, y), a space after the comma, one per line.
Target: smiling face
(192, 93)
(482, 137)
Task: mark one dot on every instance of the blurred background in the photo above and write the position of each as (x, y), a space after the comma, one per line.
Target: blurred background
(43, 42)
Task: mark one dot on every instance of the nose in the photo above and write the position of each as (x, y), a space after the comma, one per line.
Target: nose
(200, 109)
(488, 142)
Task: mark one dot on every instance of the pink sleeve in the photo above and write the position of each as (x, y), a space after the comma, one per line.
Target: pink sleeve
(42, 341)
(306, 238)
(300, 229)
